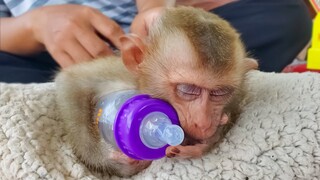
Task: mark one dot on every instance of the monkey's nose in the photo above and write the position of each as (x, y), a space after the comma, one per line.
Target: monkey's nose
(203, 126)
(204, 131)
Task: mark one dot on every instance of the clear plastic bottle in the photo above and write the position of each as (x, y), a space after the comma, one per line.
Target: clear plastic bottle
(140, 126)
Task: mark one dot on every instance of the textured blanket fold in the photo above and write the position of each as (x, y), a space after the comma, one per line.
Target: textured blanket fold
(276, 137)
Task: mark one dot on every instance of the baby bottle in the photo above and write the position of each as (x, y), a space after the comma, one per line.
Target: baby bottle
(142, 127)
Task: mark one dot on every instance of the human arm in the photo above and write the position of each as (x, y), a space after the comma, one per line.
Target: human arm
(17, 37)
(144, 5)
(206, 5)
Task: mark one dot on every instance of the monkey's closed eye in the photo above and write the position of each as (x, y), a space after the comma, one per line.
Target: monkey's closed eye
(188, 91)
(220, 94)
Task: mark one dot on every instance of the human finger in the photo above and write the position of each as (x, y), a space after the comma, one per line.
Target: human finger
(77, 52)
(94, 45)
(144, 20)
(63, 59)
(107, 28)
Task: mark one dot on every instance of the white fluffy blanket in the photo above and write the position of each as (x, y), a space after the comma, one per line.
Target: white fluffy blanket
(276, 137)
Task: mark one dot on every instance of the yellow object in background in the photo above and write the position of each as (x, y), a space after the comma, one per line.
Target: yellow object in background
(313, 61)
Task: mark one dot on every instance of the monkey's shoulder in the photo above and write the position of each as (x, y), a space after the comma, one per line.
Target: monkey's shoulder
(102, 69)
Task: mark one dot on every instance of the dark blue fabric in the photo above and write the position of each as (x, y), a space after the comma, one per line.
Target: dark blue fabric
(19, 69)
(273, 31)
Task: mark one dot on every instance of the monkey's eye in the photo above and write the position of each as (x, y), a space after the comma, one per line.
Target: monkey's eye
(220, 94)
(188, 91)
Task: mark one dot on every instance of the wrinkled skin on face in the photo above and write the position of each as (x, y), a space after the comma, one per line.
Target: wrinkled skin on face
(200, 98)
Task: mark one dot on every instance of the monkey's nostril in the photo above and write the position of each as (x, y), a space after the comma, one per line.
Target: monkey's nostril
(202, 131)
(203, 126)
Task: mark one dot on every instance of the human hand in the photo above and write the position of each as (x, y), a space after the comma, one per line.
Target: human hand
(74, 33)
(141, 23)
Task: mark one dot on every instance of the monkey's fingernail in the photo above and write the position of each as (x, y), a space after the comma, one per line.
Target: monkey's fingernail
(171, 155)
(176, 150)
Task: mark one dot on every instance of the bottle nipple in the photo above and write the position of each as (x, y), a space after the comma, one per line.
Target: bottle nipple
(157, 131)
(171, 134)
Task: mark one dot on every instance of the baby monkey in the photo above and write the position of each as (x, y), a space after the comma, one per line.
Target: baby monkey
(191, 58)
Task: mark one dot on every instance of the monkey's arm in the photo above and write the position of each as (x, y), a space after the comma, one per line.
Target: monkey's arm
(77, 88)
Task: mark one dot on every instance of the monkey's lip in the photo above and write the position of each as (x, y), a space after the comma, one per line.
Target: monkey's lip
(192, 141)
(200, 136)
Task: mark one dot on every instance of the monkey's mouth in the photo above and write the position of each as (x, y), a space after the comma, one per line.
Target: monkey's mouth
(200, 135)
(188, 140)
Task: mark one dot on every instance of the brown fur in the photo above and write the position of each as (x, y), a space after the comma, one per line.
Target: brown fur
(185, 45)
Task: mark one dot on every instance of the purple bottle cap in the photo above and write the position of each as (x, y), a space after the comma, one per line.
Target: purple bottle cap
(128, 121)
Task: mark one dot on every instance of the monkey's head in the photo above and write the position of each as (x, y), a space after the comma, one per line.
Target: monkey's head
(194, 60)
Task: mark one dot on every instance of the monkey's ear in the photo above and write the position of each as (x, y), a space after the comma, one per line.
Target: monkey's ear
(251, 64)
(132, 49)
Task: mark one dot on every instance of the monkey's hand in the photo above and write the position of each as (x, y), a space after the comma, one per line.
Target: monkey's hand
(189, 151)
(127, 165)
(192, 148)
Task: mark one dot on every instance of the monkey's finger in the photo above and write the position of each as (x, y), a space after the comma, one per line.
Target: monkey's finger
(107, 28)
(193, 151)
(170, 155)
(172, 151)
(94, 45)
